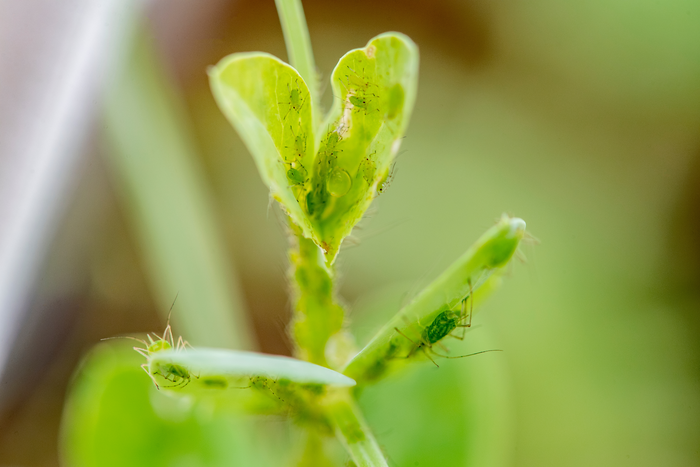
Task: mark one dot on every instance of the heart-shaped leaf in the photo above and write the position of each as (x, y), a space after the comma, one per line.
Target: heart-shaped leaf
(324, 191)
(270, 106)
(375, 89)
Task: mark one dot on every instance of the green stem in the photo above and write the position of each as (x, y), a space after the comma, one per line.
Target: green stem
(354, 434)
(296, 38)
(317, 316)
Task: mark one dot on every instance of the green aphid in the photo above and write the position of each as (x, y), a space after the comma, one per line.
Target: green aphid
(354, 80)
(362, 102)
(311, 203)
(333, 139)
(177, 374)
(368, 169)
(386, 180)
(441, 327)
(296, 176)
(296, 102)
(358, 102)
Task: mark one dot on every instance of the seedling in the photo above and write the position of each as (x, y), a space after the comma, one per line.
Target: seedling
(323, 198)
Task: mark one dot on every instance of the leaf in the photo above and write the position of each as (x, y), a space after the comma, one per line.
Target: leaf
(474, 269)
(325, 192)
(375, 89)
(205, 364)
(114, 417)
(269, 104)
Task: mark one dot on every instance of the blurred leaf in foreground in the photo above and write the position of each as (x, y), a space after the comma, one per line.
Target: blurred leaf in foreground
(114, 416)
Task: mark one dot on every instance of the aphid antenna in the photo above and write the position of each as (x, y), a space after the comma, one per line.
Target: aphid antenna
(125, 337)
(170, 311)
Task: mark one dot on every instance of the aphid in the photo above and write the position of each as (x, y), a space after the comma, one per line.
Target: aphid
(177, 374)
(299, 145)
(368, 168)
(354, 79)
(328, 154)
(361, 102)
(441, 327)
(297, 176)
(385, 182)
(296, 102)
(296, 172)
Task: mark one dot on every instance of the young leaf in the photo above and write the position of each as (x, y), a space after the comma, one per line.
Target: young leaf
(270, 106)
(375, 89)
(208, 364)
(460, 281)
(325, 192)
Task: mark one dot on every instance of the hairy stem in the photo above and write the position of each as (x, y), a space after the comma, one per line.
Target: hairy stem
(317, 316)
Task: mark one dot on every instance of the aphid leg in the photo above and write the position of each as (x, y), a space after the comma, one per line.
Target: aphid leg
(144, 367)
(143, 352)
(428, 355)
(182, 344)
(415, 345)
(463, 333)
(464, 314)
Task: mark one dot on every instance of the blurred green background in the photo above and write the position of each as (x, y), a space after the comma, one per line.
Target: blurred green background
(581, 117)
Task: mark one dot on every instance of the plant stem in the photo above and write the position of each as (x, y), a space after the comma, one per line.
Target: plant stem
(317, 316)
(296, 38)
(354, 434)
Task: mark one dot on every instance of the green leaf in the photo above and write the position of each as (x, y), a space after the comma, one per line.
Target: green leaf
(474, 269)
(269, 104)
(115, 417)
(324, 191)
(204, 364)
(375, 89)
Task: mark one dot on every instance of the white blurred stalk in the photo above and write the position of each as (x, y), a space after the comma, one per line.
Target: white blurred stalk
(52, 61)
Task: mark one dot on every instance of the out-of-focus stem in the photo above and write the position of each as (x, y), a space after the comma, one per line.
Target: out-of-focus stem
(317, 316)
(296, 38)
(354, 434)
